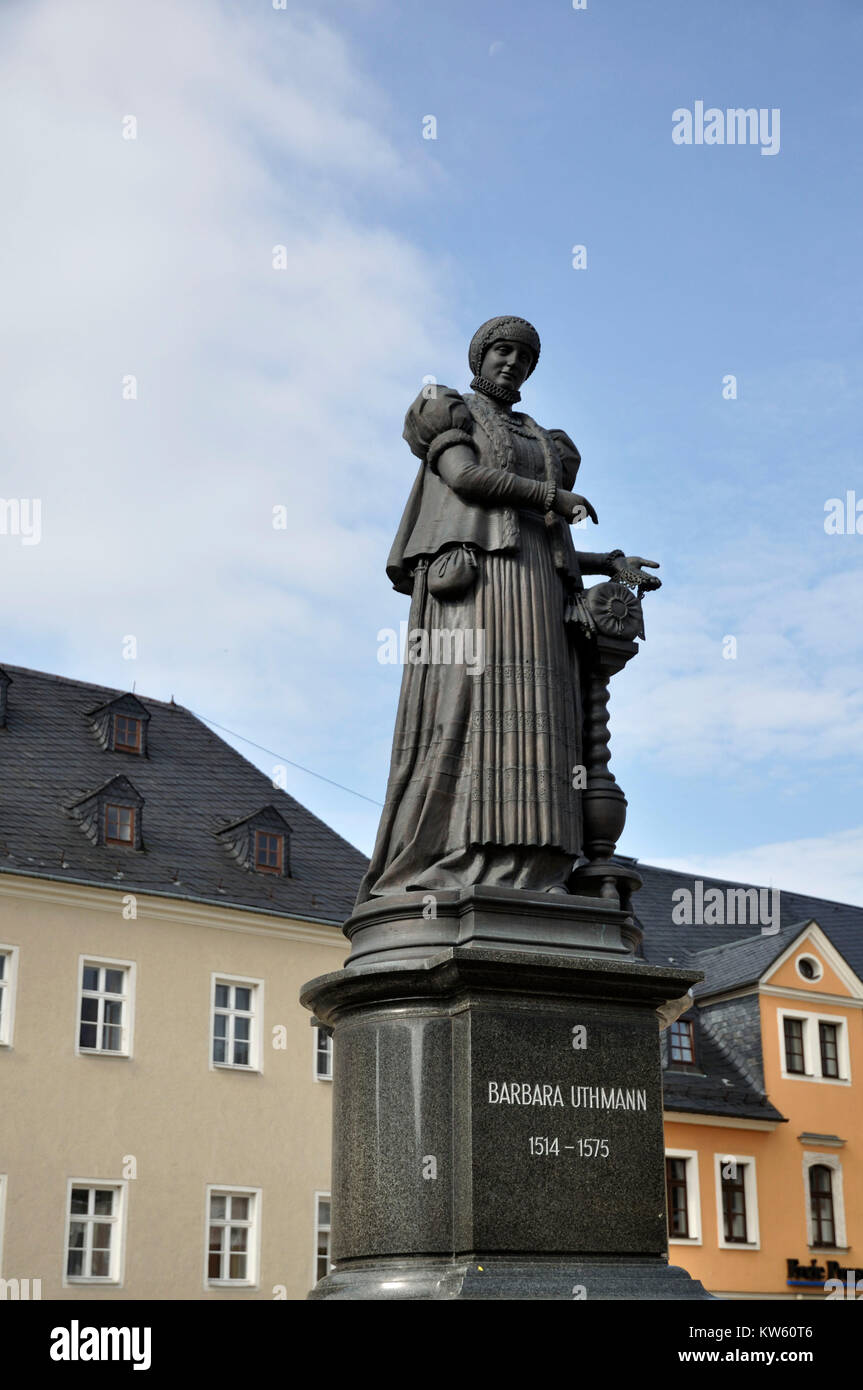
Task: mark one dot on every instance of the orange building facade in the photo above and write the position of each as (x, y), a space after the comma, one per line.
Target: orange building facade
(769, 1204)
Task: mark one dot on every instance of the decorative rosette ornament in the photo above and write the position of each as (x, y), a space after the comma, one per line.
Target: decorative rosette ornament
(615, 611)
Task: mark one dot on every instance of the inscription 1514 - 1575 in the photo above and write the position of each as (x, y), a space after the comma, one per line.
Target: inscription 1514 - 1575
(569, 1115)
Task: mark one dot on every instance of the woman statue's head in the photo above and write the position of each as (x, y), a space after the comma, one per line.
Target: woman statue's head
(503, 353)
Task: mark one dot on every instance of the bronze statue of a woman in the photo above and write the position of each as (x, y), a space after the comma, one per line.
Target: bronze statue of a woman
(483, 786)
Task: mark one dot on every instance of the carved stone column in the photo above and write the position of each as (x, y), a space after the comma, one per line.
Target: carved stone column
(609, 619)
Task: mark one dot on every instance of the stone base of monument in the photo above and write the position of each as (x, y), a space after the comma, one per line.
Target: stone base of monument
(497, 1123)
(492, 1276)
(414, 926)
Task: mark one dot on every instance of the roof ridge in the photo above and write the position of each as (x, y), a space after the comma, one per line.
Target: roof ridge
(89, 685)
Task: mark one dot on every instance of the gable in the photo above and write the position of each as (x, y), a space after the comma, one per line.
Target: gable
(836, 976)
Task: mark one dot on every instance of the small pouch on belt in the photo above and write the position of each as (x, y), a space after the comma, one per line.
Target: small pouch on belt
(452, 573)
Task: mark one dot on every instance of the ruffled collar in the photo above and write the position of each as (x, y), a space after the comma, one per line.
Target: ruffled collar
(493, 389)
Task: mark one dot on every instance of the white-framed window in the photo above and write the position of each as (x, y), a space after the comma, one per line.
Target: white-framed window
(236, 1013)
(95, 1232)
(814, 1047)
(233, 1237)
(323, 1054)
(683, 1198)
(736, 1202)
(106, 1006)
(323, 1235)
(8, 981)
(825, 1201)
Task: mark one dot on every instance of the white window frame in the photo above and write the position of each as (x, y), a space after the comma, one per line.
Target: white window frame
(253, 1252)
(128, 1035)
(693, 1197)
(118, 1245)
(832, 1161)
(812, 1047)
(8, 989)
(318, 1033)
(256, 1026)
(318, 1230)
(750, 1196)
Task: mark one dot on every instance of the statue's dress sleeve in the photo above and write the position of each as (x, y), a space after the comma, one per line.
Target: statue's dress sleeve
(444, 419)
(569, 456)
(434, 415)
(589, 561)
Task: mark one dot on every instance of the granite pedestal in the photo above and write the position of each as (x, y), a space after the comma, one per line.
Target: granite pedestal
(497, 1123)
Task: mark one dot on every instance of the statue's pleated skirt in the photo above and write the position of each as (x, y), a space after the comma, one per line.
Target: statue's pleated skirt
(486, 748)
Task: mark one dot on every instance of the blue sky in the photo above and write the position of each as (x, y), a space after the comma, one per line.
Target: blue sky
(259, 387)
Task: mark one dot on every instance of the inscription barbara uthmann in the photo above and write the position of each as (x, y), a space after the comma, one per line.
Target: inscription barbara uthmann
(578, 1097)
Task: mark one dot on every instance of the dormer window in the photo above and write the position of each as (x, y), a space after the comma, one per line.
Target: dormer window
(681, 1043)
(261, 842)
(119, 824)
(111, 816)
(121, 725)
(269, 851)
(127, 734)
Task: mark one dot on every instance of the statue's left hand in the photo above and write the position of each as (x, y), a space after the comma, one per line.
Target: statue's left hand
(628, 569)
(574, 507)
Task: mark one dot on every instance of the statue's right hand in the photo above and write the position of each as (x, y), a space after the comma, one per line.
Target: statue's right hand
(574, 507)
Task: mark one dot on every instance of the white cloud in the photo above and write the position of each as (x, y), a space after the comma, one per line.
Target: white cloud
(828, 866)
(791, 693)
(256, 386)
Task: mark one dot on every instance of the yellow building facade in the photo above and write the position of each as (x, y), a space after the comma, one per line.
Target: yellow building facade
(165, 1101)
(195, 1179)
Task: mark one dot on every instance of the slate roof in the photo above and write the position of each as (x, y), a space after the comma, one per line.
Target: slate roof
(666, 941)
(194, 785)
(718, 1087)
(739, 963)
